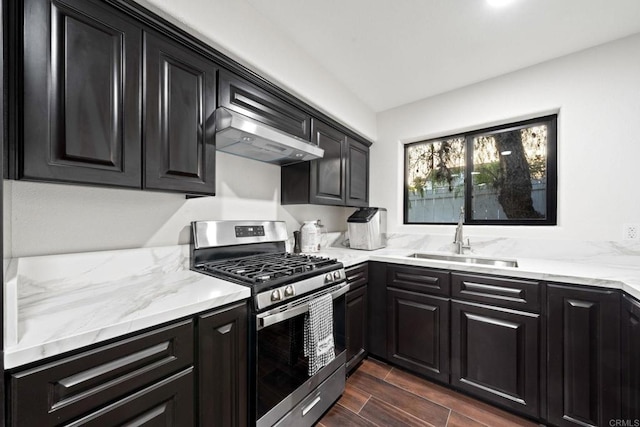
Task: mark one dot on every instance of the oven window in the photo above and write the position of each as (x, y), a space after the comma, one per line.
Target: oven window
(282, 366)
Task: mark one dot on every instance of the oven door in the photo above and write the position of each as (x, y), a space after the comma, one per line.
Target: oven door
(282, 381)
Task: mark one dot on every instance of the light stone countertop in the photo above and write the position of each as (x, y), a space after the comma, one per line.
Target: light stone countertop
(59, 303)
(613, 265)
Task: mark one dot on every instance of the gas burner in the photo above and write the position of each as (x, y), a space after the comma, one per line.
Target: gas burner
(267, 267)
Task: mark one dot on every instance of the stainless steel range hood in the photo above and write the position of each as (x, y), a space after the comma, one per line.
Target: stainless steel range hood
(243, 136)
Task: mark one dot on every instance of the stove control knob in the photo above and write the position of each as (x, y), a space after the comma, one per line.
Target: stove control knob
(289, 291)
(328, 278)
(275, 295)
(336, 275)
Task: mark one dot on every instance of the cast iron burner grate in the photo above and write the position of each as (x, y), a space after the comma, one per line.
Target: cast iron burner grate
(263, 268)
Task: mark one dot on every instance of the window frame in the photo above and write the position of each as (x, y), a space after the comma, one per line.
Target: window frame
(551, 214)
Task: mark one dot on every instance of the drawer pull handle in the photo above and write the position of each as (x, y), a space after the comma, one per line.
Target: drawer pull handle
(310, 406)
(498, 292)
(225, 329)
(85, 376)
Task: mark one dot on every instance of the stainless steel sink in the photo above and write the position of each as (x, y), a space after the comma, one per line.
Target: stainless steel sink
(468, 259)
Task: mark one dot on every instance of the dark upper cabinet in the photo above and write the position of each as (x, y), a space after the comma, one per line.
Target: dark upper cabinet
(222, 376)
(180, 88)
(630, 346)
(357, 181)
(339, 178)
(495, 355)
(583, 356)
(327, 175)
(252, 101)
(356, 315)
(418, 332)
(81, 94)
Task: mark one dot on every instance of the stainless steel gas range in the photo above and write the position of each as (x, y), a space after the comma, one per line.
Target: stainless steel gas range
(253, 253)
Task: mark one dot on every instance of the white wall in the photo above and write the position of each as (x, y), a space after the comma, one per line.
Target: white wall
(597, 94)
(41, 219)
(237, 29)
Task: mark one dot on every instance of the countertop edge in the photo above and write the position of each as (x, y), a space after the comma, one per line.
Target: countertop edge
(17, 357)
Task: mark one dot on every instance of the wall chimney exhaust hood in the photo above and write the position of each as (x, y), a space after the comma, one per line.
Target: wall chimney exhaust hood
(243, 136)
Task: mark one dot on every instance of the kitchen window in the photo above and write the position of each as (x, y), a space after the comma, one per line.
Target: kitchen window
(503, 175)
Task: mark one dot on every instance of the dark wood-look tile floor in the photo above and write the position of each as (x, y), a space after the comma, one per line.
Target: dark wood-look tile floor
(381, 395)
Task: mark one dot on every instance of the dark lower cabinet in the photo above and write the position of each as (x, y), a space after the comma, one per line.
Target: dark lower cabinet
(178, 375)
(222, 368)
(180, 88)
(418, 332)
(356, 320)
(630, 346)
(583, 356)
(81, 94)
(110, 385)
(356, 326)
(167, 403)
(377, 310)
(495, 355)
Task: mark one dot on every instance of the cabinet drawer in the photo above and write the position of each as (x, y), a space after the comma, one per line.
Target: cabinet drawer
(166, 403)
(246, 98)
(504, 292)
(63, 390)
(357, 275)
(417, 279)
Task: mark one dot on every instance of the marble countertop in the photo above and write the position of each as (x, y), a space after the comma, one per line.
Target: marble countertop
(58, 303)
(602, 264)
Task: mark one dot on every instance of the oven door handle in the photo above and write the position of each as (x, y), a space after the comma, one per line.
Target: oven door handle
(269, 318)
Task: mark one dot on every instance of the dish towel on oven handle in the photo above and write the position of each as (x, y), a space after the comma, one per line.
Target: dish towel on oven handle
(318, 333)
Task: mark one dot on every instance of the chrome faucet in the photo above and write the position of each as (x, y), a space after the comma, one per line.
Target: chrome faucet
(458, 239)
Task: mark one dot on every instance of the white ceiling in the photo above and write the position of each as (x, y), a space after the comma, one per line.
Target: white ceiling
(392, 52)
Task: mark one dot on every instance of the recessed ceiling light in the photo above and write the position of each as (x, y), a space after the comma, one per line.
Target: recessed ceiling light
(499, 3)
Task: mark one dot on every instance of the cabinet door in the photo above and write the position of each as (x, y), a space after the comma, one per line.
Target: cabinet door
(356, 326)
(81, 112)
(418, 333)
(179, 127)
(254, 102)
(377, 310)
(327, 180)
(168, 403)
(495, 355)
(630, 358)
(357, 173)
(222, 377)
(583, 356)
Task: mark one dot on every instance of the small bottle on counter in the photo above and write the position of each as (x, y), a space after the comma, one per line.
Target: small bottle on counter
(309, 237)
(296, 242)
